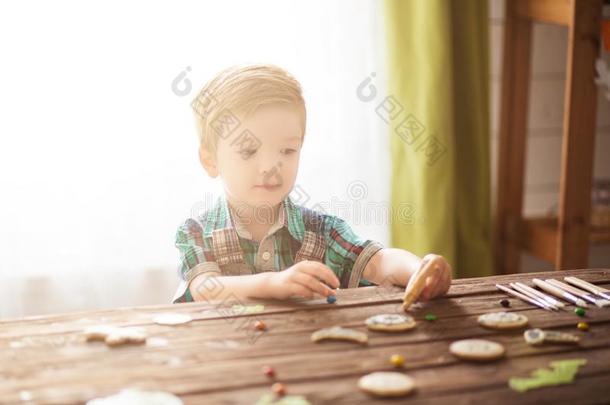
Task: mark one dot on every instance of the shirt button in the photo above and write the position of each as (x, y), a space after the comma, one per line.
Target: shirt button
(266, 255)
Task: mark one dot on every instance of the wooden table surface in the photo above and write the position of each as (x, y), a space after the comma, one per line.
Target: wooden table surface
(218, 357)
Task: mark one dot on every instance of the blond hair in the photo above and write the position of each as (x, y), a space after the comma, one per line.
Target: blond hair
(239, 91)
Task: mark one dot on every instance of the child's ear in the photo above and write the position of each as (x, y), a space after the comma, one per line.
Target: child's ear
(208, 161)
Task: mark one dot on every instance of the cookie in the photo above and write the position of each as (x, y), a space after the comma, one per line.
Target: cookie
(477, 349)
(386, 384)
(418, 281)
(536, 337)
(135, 396)
(172, 318)
(98, 332)
(390, 322)
(503, 320)
(115, 336)
(339, 333)
(126, 335)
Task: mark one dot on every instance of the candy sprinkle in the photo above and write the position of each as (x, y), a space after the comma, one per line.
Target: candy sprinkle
(397, 360)
(331, 299)
(279, 389)
(430, 317)
(583, 326)
(260, 325)
(579, 311)
(268, 371)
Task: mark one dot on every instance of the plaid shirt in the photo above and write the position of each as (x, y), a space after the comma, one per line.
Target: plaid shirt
(217, 242)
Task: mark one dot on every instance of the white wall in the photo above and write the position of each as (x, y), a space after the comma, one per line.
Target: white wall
(98, 156)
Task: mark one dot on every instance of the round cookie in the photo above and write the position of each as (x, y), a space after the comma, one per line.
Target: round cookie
(390, 322)
(477, 349)
(339, 333)
(503, 320)
(172, 318)
(136, 396)
(386, 384)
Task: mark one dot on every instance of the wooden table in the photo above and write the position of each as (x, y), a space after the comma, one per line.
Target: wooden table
(218, 357)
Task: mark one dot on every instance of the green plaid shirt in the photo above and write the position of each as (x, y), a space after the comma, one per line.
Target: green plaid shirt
(217, 242)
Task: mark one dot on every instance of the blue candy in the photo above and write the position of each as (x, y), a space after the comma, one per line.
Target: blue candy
(331, 299)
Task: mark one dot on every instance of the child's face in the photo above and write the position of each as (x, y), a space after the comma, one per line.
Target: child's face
(259, 168)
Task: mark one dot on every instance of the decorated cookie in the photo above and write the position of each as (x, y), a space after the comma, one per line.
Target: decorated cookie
(503, 320)
(477, 349)
(538, 336)
(390, 322)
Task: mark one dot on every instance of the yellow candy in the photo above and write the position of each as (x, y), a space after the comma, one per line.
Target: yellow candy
(583, 326)
(397, 360)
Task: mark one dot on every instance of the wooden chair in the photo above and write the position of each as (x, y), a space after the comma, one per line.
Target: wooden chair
(563, 241)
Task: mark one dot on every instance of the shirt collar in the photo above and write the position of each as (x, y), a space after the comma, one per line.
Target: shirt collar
(290, 216)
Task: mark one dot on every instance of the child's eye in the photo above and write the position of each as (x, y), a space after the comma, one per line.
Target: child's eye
(246, 153)
(288, 151)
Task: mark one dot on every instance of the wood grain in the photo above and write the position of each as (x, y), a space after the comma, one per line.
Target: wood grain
(214, 360)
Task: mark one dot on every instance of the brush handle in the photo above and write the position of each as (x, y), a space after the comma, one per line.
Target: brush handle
(558, 292)
(545, 297)
(592, 288)
(535, 297)
(572, 290)
(521, 296)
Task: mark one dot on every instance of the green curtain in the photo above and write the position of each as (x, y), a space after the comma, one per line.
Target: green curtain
(438, 110)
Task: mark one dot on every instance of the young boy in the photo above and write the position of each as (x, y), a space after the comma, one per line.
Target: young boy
(255, 242)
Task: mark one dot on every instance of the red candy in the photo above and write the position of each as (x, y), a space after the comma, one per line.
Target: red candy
(268, 371)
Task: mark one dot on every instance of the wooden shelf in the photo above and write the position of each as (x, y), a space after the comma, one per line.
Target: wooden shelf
(540, 237)
(549, 11)
(563, 241)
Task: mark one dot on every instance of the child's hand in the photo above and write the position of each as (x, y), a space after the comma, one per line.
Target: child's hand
(439, 281)
(303, 279)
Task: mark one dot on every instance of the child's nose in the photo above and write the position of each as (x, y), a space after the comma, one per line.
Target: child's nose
(268, 165)
(271, 175)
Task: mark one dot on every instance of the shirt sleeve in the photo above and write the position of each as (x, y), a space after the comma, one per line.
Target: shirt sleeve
(347, 254)
(196, 257)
